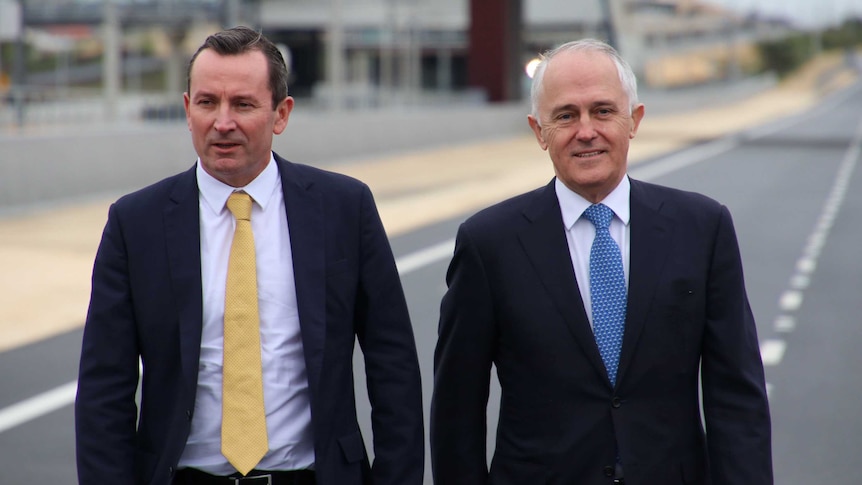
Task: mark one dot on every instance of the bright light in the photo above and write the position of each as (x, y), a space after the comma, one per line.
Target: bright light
(531, 66)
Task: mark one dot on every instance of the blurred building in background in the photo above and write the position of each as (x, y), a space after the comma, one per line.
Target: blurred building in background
(363, 53)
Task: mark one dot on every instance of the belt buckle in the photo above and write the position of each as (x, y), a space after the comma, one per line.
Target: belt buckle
(255, 480)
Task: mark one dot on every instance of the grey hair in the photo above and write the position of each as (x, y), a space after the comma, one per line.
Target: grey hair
(627, 76)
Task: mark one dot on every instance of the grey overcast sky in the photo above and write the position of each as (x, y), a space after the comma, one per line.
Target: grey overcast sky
(805, 12)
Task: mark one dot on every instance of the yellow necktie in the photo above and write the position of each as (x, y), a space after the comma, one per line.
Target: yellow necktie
(243, 434)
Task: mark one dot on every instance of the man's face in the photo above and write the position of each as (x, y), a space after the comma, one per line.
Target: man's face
(584, 122)
(230, 115)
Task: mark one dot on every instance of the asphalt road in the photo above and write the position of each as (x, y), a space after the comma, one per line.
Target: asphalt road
(796, 196)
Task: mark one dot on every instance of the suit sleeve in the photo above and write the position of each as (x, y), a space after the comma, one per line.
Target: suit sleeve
(105, 409)
(734, 391)
(386, 337)
(462, 366)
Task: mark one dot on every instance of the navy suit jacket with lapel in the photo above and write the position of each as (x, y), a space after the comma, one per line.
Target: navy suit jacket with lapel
(513, 302)
(147, 301)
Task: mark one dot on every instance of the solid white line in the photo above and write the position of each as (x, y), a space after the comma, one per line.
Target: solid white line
(37, 406)
(772, 351)
(49, 401)
(432, 254)
(682, 159)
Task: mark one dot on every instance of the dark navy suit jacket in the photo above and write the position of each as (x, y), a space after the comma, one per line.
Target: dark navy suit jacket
(147, 301)
(513, 301)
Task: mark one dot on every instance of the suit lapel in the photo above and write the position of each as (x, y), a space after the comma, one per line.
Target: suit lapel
(306, 219)
(649, 247)
(544, 241)
(182, 237)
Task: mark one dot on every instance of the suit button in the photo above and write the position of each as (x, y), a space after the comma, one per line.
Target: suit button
(616, 402)
(608, 471)
(170, 471)
(189, 414)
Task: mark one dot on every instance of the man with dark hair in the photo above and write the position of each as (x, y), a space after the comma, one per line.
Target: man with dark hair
(603, 302)
(241, 286)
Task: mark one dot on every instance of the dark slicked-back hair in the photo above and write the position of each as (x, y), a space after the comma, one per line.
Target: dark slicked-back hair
(240, 40)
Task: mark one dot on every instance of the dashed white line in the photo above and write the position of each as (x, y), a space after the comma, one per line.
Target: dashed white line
(790, 301)
(785, 323)
(806, 265)
(772, 351)
(799, 282)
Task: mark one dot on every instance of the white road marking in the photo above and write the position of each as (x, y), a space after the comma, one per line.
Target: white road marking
(772, 351)
(424, 257)
(784, 323)
(49, 401)
(37, 406)
(685, 158)
(790, 301)
(806, 265)
(799, 282)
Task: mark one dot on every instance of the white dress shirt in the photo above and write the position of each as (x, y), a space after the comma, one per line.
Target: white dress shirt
(285, 381)
(580, 232)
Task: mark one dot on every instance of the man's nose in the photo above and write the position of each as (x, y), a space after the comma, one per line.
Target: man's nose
(224, 119)
(586, 129)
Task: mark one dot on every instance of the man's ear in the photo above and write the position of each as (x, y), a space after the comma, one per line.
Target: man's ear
(186, 105)
(282, 114)
(637, 115)
(537, 130)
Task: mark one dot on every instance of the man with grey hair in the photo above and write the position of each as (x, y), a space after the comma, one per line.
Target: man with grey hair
(606, 305)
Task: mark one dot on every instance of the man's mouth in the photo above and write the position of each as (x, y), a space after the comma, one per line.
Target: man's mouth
(589, 154)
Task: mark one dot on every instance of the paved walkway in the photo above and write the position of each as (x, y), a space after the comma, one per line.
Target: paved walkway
(49, 253)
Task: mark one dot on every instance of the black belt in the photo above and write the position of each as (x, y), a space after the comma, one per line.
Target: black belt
(192, 476)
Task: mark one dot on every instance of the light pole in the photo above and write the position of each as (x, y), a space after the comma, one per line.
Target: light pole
(110, 58)
(610, 25)
(335, 55)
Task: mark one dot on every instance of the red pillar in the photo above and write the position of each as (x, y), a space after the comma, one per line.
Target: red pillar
(494, 58)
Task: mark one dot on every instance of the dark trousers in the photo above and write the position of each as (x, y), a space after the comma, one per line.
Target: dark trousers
(191, 476)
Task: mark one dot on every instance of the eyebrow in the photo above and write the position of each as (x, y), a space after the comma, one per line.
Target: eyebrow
(574, 107)
(234, 98)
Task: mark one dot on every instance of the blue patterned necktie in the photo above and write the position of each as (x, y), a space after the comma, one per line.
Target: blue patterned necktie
(607, 289)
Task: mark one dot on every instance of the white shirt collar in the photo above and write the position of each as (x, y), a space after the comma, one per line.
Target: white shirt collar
(573, 205)
(215, 192)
